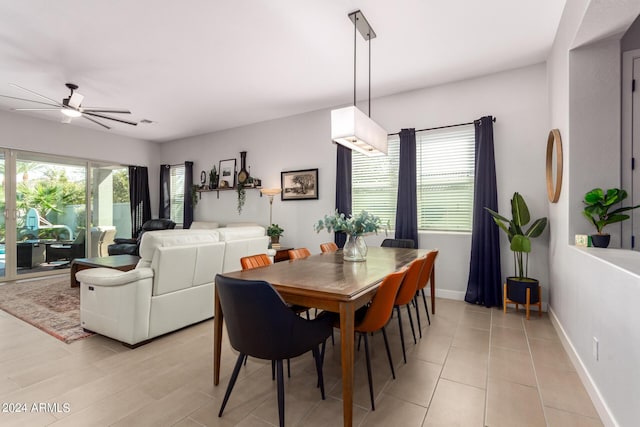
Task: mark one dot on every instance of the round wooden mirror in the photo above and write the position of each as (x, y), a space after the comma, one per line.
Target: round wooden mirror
(554, 166)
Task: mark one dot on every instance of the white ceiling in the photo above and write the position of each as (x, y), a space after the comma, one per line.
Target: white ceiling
(199, 66)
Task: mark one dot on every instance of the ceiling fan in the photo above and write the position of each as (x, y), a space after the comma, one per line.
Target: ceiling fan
(72, 107)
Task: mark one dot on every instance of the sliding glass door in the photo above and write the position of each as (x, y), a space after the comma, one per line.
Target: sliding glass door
(51, 212)
(110, 208)
(56, 209)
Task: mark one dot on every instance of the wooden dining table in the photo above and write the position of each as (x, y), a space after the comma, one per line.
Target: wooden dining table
(325, 281)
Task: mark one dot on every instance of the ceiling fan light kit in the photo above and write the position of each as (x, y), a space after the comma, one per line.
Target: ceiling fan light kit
(71, 107)
(350, 126)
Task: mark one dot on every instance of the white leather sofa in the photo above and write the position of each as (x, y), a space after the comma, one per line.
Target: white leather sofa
(170, 288)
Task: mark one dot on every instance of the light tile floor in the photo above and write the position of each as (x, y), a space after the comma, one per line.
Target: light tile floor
(473, 367)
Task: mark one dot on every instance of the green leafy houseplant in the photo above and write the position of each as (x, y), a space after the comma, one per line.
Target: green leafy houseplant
(355, 249)
(520, 240)
(355, 225)
(242, 197)
(275, 230)
(597, 205)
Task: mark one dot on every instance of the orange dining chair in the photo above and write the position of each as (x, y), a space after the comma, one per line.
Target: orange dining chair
(254, 261)
(427, 274)
(299, 253)
(375, 317)
(328, 247)
(405, 297)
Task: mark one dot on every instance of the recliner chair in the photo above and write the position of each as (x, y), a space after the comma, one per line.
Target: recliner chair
(131, 246)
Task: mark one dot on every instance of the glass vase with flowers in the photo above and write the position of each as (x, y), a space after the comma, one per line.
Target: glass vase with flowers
(355, 226)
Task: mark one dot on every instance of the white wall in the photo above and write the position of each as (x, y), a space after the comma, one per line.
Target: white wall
(517, 98)
(590, 296)
(31, 134)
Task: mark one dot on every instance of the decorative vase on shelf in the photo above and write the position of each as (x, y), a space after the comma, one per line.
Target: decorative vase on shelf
(355, 249)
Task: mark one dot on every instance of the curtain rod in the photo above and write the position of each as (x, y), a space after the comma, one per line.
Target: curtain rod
(443, 127)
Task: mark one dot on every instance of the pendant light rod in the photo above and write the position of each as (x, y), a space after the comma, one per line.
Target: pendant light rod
(360, 24)
(355, 40)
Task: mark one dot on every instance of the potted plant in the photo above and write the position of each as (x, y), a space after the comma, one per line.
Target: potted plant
(275, 231)
(213, 178)
(355, 249)
(596, 210)
(520, 242)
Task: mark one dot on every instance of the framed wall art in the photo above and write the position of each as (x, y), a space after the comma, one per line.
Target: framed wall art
(299, 185)
(227, 173)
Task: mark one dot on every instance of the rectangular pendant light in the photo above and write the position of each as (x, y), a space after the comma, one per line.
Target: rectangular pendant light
(354, 129)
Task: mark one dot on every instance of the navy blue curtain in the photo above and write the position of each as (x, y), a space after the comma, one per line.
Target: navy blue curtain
(139, 198)
(165, 194)
(343, 187)
(484, 286)
(187, 218)
(407, 206)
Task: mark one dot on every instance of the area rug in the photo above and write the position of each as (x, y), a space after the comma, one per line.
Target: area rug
(49, 304)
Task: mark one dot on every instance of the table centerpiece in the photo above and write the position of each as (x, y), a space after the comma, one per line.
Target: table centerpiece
(355, 226)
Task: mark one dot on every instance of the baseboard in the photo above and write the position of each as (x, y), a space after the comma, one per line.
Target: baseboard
(459, 296)
(446, 294)
(603, 410)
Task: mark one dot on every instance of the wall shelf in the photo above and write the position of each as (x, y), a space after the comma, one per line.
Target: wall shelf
(218, 190)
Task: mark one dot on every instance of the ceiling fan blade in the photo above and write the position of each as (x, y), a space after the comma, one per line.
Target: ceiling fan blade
(29, 100)
(75, 100)
(37, 94)
(35, 109)
(84, 113)
(105, 110)
(95, 121)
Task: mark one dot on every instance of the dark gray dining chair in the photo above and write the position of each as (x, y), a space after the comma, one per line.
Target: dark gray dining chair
(398, 243)
(261, 325)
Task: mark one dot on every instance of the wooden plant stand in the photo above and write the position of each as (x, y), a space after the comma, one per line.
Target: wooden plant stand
(527, 304)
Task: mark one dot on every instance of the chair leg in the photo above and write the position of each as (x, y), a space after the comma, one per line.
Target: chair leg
(413, 330)
(273, 370)
(317, 355)
(404, 354)
(245, 360)
(288, 368)
(322, 349)
(366, 352)
(232, 382)
(424, 299)
(415, 304)
(280, 392)
(386, 344)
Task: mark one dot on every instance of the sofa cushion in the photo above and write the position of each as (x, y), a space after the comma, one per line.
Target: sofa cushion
(238, 233)
(151, 240)
(173, 268)
(241, 224)
(203, 225)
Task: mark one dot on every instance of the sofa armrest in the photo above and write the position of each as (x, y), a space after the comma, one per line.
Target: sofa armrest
(112, 277)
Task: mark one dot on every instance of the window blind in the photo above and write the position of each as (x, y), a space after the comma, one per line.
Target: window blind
(374, 183)
(445, 176)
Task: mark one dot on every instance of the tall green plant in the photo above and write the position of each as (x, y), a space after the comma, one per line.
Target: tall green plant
(519, 239)
(597, 205)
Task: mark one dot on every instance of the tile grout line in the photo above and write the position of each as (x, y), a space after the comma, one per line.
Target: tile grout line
(486, 380)
(535, 373)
